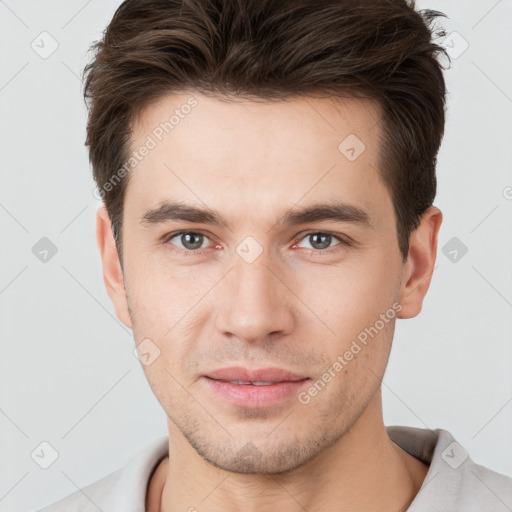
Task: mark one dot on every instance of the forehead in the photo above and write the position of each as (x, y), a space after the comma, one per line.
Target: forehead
(245, 153)
(269, 122)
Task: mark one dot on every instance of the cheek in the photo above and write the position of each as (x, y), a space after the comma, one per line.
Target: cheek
(333, 303)
(161, 294)
(358, 341)
(168, 308)
(348, 297)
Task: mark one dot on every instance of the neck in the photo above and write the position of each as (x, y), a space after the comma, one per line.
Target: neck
(363, 470)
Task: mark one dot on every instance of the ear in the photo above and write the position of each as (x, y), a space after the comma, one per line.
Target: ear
(418, 269)
(112, 273)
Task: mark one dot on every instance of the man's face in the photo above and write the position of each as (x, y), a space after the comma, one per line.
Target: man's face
(261, 291)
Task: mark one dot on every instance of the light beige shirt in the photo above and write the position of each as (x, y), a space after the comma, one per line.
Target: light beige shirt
(454, 483)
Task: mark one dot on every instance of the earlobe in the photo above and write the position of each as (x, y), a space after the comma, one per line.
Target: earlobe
(419, 267)
(112, 272)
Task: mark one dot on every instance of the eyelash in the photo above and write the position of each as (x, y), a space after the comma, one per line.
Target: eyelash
(343, 241)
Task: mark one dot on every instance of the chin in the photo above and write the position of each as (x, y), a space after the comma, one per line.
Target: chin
(249, 459)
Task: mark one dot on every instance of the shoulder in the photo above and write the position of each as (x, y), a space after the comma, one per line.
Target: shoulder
(123, 490)
(91, 498)
(454, 481)
(480, 488)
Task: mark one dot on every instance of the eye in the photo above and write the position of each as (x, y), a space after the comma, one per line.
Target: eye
(193, 241)
(320, 241)
(188, 240)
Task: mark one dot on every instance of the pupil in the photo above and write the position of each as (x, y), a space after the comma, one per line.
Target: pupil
(186, 240)
(320, 241)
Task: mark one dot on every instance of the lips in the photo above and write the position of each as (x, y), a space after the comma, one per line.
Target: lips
(255, 389)
(259, 377)
(249, 383)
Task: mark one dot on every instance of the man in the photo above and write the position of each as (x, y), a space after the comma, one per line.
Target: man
(268, 175)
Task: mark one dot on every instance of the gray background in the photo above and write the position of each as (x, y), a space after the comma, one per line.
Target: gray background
(68, 375)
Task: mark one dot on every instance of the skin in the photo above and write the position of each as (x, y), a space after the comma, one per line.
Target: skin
(294, 307)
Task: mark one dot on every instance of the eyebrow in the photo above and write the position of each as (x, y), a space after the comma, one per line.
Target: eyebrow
(339, 212)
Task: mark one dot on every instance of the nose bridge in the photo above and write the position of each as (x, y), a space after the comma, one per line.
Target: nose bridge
(254, 302)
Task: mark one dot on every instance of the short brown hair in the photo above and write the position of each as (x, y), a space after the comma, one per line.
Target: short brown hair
(274, 49)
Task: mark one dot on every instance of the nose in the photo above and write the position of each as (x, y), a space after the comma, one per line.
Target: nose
(255, 303)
